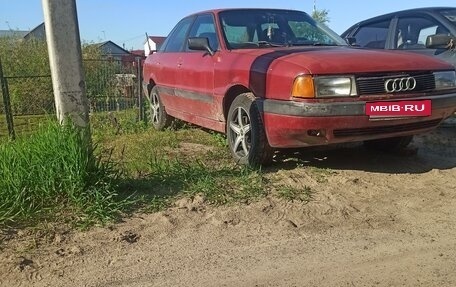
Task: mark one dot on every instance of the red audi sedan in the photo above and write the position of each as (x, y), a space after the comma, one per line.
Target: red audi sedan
(272, 78)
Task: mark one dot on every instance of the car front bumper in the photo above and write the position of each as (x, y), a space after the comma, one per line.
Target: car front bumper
(291, 124)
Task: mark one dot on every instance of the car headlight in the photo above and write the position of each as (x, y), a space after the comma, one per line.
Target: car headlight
(445, 80)
(324, 87)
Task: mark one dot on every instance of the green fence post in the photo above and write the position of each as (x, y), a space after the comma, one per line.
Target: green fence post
(7, 103)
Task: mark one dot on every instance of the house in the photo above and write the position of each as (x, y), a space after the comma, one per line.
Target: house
(14, 34)
(37, 33)
(153, 43)
(139, 53)
(135, 55)
(111, 50)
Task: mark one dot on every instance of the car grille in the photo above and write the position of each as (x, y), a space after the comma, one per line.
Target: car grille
(386, 129)
(372, 85)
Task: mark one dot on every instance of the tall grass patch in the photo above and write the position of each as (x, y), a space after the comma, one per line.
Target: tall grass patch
(160, 167)
(54, 174)
(218, 184)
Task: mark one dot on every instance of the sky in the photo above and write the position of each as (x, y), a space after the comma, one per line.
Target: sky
(126, 22)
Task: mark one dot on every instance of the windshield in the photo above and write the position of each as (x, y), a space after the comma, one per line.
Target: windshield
(450, 15)
(249, 28)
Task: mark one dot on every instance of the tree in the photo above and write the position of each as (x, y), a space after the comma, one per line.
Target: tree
(321, 16)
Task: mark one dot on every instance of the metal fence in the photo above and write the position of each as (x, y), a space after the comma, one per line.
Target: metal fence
(112, 85)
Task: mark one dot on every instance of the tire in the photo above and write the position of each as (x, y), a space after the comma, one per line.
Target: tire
(389, 144)
(158, 117)
(245, 133)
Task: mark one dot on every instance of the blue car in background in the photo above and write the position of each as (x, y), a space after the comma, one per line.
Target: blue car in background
(429, 31)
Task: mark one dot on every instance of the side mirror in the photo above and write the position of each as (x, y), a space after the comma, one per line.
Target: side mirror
(351, 41)
(200, 44)
(440, 41)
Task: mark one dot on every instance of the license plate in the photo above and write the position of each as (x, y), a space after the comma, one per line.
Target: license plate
(399, 109)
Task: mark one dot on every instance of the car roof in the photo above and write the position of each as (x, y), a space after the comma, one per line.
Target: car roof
(216, 11)
(424, 9)
(391, 14)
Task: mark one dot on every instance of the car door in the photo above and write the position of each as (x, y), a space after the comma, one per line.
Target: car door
(411, 31)
(195, 85)
(166, 65)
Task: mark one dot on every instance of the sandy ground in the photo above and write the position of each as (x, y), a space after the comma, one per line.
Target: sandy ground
(375, 219)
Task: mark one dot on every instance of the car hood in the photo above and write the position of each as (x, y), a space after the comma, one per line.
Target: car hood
(343, 60)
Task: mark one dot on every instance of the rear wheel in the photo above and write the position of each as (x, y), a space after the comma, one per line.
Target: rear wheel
(159, 119)
(389, 144)
(245, 133)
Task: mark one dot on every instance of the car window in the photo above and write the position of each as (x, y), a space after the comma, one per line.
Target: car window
(411, 32)
(240, 34)
(372, 35)
(247, 28)
(204, 26)
(175, 40)
(307, 31)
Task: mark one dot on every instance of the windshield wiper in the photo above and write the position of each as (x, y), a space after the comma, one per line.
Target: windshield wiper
(269, 44)
(262, 44)
(314, 44)
(325, 44)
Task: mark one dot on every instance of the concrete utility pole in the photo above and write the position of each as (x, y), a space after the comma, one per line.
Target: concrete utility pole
(65, 56)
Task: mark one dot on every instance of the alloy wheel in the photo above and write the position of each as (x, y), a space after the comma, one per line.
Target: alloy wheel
(155, 108)
(240, 129)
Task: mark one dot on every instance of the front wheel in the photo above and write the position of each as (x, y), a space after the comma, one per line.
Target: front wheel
(159, 118)
(245, 133)
(389, 144)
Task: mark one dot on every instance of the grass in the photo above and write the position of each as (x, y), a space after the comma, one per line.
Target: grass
(48, 176)
(290, 193)
(321, 175)
(107, 124)
(160, 167)
(53, 175)
(219, 185)
(23, 125)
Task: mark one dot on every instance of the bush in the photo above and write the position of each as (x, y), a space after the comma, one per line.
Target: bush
(31, 93)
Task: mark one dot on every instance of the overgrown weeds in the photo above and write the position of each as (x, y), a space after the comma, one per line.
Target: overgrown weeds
(219, 185)
(53, 174)
(162, 166)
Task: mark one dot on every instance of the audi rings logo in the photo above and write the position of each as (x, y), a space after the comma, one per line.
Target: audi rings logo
(400, 85)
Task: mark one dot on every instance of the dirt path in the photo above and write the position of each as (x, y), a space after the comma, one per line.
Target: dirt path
(375, 219)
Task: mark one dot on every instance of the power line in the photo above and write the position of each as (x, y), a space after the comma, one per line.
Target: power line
(133, 38)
